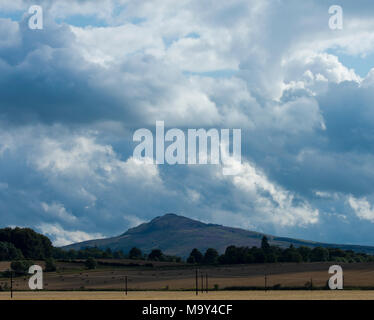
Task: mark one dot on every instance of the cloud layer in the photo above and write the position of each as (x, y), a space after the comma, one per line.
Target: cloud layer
(72, 94)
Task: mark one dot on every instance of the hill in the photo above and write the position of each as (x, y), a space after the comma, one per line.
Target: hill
(178, 235)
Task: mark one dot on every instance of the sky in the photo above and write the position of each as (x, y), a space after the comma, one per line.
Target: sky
(73, 93)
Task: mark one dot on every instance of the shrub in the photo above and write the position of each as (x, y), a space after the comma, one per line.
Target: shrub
(21, 267)
(50, 265)
(91, 263)
(135, 253)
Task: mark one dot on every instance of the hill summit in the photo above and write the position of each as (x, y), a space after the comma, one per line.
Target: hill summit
(178, 235)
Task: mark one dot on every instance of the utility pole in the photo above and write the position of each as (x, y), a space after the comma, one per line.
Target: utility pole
(206, 282)
(266, 284)
(126, 285)
(11, 284)
(202, 283)
(197, 283)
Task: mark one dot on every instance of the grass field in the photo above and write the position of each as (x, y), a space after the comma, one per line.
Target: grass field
(72, 276)
(170, 295)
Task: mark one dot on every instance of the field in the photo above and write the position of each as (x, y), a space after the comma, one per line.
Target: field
(170, 295)
(177, 281)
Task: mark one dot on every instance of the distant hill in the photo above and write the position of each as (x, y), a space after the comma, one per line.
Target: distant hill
(178, 235)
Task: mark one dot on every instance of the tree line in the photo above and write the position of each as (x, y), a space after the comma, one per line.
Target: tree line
(270, 254)
(20, 244)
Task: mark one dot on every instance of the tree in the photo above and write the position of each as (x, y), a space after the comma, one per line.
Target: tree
(211, 256)
(305, 253)
(91, 263)
(319, 254)
(32, 245)
(50, 265)
(118, 254)
(259, 255)
(135, 253)
(335, 253)
(191, 260)
(107, 254)
(155, 255)
(291, 254)
(195, 256)
(230, 255)
(9, 252)
(21, 267)
(270, 257)
(265, 244)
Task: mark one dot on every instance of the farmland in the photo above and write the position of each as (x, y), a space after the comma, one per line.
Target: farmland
(110, 276)
(186, 295)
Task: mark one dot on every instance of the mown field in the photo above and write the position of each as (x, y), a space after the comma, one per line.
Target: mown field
(72, 276)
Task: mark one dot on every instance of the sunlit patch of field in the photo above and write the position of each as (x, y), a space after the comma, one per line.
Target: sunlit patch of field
(189, 295)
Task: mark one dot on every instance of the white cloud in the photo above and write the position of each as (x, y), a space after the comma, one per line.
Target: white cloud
(82, 157)
(362, 208)
(9, 33)
(111, 45)
(271, 203)
(312, 71)
(62, 237)
(58, 211)
(133, 220)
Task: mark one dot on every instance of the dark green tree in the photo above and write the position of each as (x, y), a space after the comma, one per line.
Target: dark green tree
(319, 254)
(195, 256)
(91, 263)
(32, 245)
(305, 253)
(231, 255)
(155, 255)
(291, 255)
(9, 252)
(211, 256)
(50, 265)
(259, 255)
(265, 244)
(135, 253)
(118, 254)
(270, 256)
(108, 254)
(21, 267)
